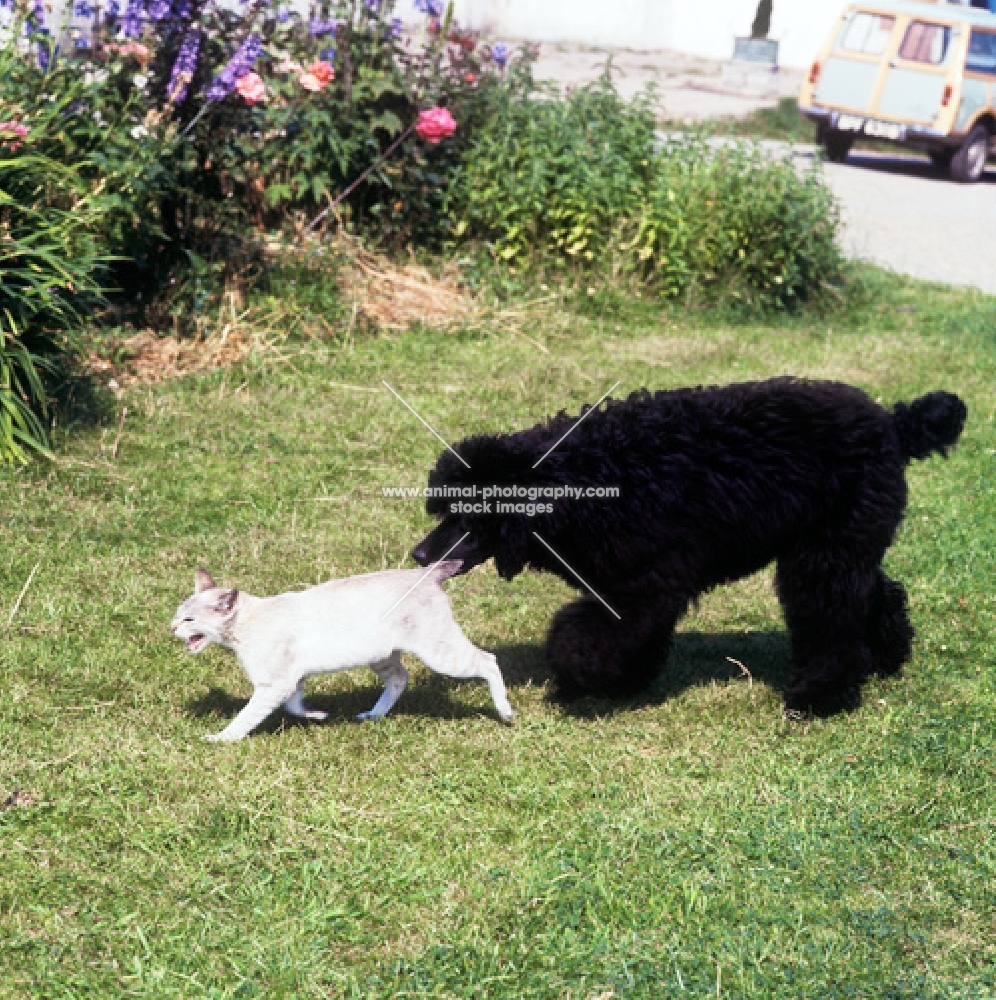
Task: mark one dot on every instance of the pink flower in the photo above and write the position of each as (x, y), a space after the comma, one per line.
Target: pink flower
(251, 88)
(317, 76)
(136, 49)
(435, 125)
(290, 66)
(13, 130)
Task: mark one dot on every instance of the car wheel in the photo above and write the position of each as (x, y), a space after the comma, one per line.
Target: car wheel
(969, 162)
(836, 145)
(941, 159)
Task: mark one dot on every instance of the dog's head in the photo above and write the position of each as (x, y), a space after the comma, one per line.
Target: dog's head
(470, 528)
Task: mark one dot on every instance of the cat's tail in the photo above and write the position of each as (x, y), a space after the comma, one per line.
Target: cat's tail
(443, 570)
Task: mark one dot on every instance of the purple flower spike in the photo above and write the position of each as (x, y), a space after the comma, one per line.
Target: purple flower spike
(373, 5)
(159, 10)
(283, 14)
(131, 23)
(434, 8)
(499, 52)
(184, 68)
(240, 64)
(318, 26)
(82, 9)
(327, 55)
(113, 8)
(396, 27)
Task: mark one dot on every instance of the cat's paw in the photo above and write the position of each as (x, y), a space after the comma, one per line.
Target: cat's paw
(370, 716)
(315, 715)
(507, 717)
(219, 738)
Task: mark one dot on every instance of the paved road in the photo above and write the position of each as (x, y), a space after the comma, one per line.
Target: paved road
(898, 212)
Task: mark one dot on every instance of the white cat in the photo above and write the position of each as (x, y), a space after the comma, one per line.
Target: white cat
(357, 622)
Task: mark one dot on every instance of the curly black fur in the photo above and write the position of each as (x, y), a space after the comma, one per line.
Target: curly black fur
(715, 483)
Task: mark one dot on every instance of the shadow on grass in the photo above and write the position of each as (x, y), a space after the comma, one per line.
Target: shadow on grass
(428, 698)
(695, 659)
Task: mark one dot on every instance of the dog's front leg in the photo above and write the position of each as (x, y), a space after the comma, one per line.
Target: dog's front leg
(265, 700)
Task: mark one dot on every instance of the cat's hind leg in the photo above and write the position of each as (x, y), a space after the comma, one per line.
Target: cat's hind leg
(392, 672)
(296, 706)
(444, 648)
(264, 701)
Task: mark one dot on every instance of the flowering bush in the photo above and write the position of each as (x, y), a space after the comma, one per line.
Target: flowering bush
(194, 119)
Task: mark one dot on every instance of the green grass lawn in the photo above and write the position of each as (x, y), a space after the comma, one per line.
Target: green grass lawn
(692, 843)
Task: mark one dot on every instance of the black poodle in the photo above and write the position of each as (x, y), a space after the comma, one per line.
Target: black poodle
(714, 483)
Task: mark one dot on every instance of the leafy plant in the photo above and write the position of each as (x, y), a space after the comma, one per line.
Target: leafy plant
(48, 264)
(585, 179)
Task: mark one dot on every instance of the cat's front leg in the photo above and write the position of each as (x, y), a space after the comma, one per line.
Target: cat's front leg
(296, 706)
(264, 701)
(392, 672)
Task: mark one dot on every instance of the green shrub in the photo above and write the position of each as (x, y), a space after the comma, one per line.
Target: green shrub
(556, 174)
(586, 179)
(48, 267)
(733, 224)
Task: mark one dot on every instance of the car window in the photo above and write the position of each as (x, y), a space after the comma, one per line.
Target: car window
(982, 53)
(925, 43)
(867, 33)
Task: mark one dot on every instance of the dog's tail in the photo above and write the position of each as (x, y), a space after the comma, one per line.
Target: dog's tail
(444, 570)
(931, 423)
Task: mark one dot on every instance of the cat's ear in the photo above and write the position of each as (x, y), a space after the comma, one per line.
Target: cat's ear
(226, 601)
(203, 581)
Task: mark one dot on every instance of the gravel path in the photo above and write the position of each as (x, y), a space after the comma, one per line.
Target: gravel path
(898, 212)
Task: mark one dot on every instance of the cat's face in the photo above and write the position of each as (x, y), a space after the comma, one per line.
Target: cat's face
(206, 617)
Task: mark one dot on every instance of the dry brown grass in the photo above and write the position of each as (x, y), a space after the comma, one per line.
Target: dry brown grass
(398, 296)
(387, 295)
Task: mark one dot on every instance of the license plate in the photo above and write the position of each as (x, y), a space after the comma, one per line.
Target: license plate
(870, 127)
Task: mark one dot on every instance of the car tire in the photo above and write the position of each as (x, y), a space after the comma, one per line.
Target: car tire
(836, 145)
(969, 163)
(941, 159)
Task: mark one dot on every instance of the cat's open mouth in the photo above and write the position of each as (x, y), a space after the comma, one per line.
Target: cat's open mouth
(196, 642)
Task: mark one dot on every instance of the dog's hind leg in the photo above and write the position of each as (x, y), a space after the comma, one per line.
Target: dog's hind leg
(591, 652)
(827, 597)
(392, 672)
(890, 634)
(451, 653)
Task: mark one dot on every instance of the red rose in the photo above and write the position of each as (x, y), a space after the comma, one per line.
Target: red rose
(435, 125)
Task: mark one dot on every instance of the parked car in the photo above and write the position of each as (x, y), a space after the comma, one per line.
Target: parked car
(910, 72)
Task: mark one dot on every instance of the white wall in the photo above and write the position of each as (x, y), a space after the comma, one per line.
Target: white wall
(698, 27)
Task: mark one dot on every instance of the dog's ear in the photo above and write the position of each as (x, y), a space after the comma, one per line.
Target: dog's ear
(512, 548)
